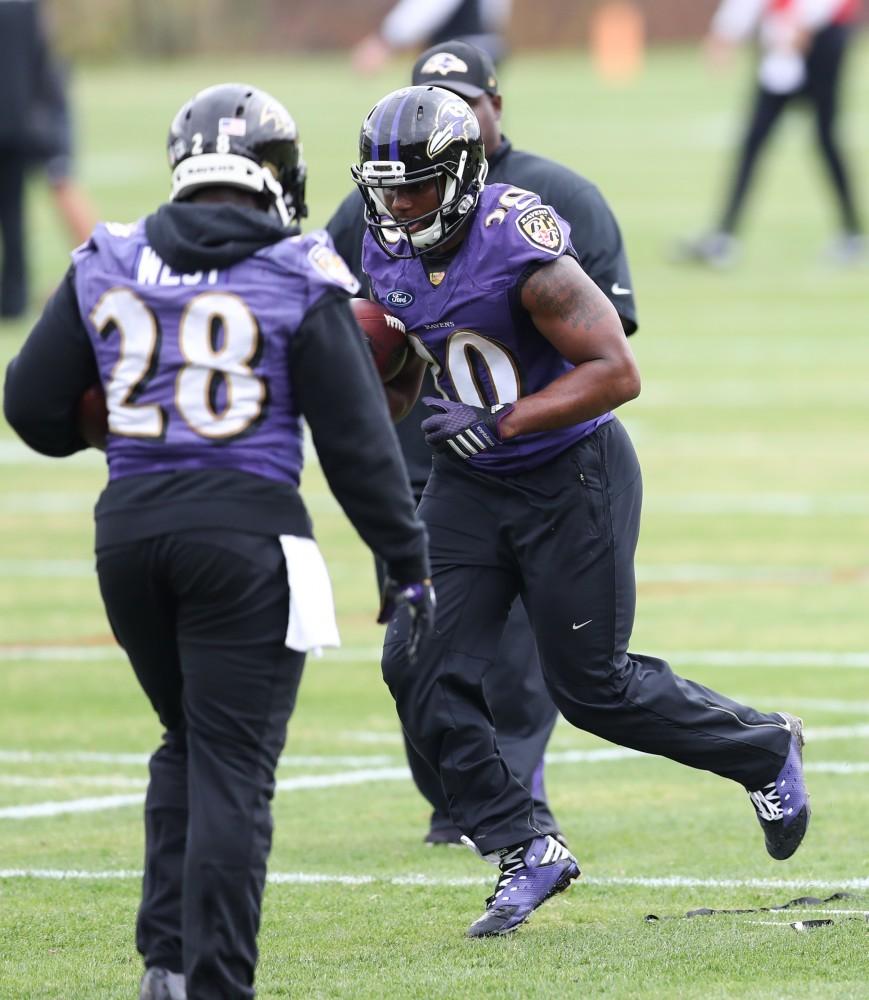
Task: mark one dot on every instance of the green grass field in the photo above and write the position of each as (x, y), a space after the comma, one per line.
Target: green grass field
(754, 578)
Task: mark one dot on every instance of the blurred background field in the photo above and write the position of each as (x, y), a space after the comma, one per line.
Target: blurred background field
(753, 569)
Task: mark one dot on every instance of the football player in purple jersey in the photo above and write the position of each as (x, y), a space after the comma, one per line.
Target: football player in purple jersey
(523, 719)
(535, 490)
(214, 327)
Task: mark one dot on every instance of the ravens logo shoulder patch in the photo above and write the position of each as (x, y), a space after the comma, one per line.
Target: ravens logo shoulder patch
(332, 267)
(540, 228)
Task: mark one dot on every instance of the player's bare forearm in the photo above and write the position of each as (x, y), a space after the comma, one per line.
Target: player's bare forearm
(574, 315)
(403, 390)
(582, 394)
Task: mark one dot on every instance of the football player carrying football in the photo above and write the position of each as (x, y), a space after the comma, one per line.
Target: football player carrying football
(213, 326)
(535, 490)
(523, 714)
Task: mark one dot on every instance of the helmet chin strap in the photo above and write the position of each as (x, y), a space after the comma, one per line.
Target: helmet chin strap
(270, 182)
(394, 231)
(432, 234)
(427, 237)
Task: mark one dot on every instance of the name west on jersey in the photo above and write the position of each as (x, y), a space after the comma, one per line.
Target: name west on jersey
(152, 271)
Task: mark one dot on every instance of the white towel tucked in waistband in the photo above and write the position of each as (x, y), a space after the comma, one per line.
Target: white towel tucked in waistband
(312, 622)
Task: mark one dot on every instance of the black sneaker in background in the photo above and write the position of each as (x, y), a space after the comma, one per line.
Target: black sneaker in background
(161, 984)
(715, 249)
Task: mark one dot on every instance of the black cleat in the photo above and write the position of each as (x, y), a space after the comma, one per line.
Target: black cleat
(442, 831)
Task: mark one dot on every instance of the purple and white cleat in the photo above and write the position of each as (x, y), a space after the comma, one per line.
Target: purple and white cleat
(782, 806)
(530, 873)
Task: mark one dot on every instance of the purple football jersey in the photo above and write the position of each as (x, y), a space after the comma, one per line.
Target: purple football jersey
(468, 324)
(196, 367)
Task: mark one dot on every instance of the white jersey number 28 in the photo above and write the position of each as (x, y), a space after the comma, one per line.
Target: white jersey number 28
(214, 367)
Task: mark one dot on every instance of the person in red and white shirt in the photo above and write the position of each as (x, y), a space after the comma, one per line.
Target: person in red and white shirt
(802, 44)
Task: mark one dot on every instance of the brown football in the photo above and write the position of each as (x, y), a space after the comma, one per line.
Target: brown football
(92, 417)
(386, 336)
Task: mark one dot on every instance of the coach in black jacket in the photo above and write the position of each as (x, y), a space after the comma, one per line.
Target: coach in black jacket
(525, 719)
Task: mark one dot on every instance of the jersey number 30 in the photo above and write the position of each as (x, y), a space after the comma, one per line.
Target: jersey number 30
(217, 393)
(465, 353)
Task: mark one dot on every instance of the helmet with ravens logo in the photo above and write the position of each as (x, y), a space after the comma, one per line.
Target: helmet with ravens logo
(237, 136)
(415, 135)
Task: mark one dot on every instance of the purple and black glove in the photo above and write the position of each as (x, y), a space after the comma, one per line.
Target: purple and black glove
(468, 430)
(419, 599)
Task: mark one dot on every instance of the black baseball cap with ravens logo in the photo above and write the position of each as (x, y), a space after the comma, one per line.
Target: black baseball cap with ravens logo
(457, 66)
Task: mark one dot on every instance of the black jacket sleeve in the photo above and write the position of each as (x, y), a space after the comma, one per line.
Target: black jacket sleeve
(340, 396)
(594, 231)
(347, 227)
(46, 380)
(597, 239)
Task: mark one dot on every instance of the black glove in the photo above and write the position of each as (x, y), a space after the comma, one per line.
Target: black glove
(468, 430)
(420, 601)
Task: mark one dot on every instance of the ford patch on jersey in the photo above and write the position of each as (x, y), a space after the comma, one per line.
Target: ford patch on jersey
(539, 228)
(399, 298)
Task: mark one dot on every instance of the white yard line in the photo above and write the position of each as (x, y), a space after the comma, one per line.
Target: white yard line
(705, 573)
(823, 734)
(90, 757)
(778, 923)
(93, 780)
(58, 874)
(770, 658)
(307, 782)
(15, 453)
(18, 569)
(39, 809)
(838, 767)
(312, 878)
(775, 503)
(566, 756)
(80, 756)
(61, 654)
(47, 503)
(669, 573)
(832, 706)
(780, 659)
(363, 776)
(815, 909)
(373, 737)
(34, 810)
(592, 756)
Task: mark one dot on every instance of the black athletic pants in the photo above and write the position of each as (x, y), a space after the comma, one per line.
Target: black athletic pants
(823, 69)
(524, 717)
(13, 264)
(563, 536)
(202, 617)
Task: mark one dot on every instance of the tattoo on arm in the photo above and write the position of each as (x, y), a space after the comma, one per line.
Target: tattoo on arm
(555, 292)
